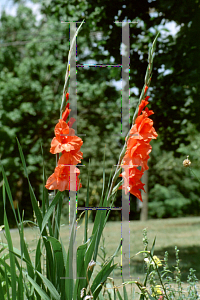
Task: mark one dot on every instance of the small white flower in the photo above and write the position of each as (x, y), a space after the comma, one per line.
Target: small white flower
(91, 265)
(147, 261)
(82, 292)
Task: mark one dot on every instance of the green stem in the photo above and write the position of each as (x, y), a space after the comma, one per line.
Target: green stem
(160, 278)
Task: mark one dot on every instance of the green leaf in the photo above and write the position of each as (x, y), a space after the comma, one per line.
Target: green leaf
(20, 292)
(119, 296)
(101, 278)
(153, 246)
(38, 267)
(8, 282)
(45, 195)
(58, 211)
(50, 286)
(87, 205)
(8, 192)
(125, 292)
(1, 292)
(69, 282)
(49, 268)
(42, 294)
(81, 270)
(33, 198)
(100, 296)
(50, 210)
(12, 258)
(57, 250)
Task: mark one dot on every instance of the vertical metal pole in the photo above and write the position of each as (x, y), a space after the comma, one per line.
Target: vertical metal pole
(125, 231)
(72, 191)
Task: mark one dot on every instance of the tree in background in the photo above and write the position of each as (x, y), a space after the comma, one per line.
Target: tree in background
(32, 77)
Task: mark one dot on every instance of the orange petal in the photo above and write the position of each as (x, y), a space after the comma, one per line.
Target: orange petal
(56, 147)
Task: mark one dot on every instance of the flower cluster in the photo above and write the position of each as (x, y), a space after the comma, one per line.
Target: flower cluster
(154, 262)
(138, 149)
(67, 143)
(186, 162)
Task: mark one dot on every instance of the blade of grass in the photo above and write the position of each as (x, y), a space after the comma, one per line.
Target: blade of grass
(10, 247)
(20, 279)
(58, 217)
(20, 291)
(42, 294)
(101, 278)
(87, 205)
(12, 257)
(33, 198)
(69, 281)
(153, 246)
(50, 286)
(6, 184)
(50, 210)
(119, 296)
(49, 261)
(45, 195)
(124, 291)
(38, 267)
(81, 270)
(1, 293)
(7, 283)
(57, 250)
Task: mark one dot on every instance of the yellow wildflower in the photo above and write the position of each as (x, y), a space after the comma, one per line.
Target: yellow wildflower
(157, 261)
(156, 291)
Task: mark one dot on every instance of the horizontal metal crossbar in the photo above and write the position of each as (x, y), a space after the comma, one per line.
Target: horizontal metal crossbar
(99, 208)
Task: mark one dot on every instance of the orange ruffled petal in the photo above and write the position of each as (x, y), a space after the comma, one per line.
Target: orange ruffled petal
(60, 179)
(70, 158)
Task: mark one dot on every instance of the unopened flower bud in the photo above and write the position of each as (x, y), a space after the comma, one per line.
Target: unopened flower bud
(186, 162)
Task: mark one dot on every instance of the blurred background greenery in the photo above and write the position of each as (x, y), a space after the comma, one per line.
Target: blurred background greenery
(34, 47)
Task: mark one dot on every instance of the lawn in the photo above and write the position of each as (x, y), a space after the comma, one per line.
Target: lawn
(181, 232)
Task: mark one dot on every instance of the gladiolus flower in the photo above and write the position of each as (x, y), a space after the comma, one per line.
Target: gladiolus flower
(60, 179)
(65, 176)
(65, 139)
(70, 158)
(132, 183)
(138, 149)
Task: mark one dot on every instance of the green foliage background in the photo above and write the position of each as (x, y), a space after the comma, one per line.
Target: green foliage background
(33, 57)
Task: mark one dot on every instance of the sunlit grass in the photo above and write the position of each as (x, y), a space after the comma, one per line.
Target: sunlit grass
(182, 232)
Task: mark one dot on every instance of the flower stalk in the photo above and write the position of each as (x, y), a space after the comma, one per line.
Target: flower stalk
(147, 80)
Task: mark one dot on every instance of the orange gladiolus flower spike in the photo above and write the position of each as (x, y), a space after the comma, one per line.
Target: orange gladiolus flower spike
(138, 149)
(65, 176)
